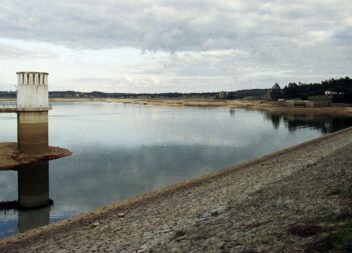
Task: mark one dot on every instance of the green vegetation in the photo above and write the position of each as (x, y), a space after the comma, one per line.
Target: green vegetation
(340, 90)
(320, 98)
(341, 240)
(337, 227)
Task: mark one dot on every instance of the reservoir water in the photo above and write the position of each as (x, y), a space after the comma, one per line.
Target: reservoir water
(120, 150)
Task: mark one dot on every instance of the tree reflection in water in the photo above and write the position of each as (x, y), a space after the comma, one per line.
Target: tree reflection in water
(325, 123)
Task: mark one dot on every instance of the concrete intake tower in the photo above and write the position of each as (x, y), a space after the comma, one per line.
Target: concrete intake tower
(32, 109)
(32, 112)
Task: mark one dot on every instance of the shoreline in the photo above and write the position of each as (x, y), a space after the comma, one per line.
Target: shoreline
(86, 225)
(259, 105)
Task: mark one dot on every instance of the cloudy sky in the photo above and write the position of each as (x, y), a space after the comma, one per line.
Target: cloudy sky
(184, 46)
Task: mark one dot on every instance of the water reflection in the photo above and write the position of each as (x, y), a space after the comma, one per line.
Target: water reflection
(325, 123)
(33, 204)
(232, 112)
(34, 218)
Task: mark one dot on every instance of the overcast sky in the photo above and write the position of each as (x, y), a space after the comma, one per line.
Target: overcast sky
(167, 46)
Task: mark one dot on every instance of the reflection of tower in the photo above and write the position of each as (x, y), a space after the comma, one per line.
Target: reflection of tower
(32, 112)
(33, 196)
(29, 219)
(33, 185)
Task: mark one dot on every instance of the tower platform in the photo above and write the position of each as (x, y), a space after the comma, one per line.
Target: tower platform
(10, 157)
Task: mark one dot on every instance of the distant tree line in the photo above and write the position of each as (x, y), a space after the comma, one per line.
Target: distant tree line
(243, 94)
(240, 94)
(7, 94)
(254, 93)
(339, 89)
(98, 94)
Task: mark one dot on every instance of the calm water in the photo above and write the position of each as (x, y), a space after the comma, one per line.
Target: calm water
(122, 150)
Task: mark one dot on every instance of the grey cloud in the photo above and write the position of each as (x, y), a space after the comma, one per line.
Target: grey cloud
(94, 80)
(343, 36)
(17, 52)
(162, 25)
(234, 44)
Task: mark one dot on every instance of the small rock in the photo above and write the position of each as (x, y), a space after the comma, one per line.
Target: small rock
(95, 224)
(121, 215)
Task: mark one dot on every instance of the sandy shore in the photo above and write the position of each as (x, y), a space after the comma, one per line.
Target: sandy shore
(250, 105)
(10, 157)
(289, 201)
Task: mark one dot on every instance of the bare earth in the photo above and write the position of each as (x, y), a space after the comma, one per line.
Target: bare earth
(288, 201)
(10, 157)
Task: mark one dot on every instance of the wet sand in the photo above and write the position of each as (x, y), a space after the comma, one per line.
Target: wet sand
(10, 156)
(264, 205)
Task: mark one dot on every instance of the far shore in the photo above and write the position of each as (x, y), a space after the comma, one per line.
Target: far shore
(261, 105)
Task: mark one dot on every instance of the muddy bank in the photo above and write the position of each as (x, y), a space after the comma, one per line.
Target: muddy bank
(10, 156)
(289, 201)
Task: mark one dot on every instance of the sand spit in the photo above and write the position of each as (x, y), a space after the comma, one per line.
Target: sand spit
(10, 157)
(288, 201)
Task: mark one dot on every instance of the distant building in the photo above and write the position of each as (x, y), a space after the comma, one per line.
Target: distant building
(223, 94)
(331, 93)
